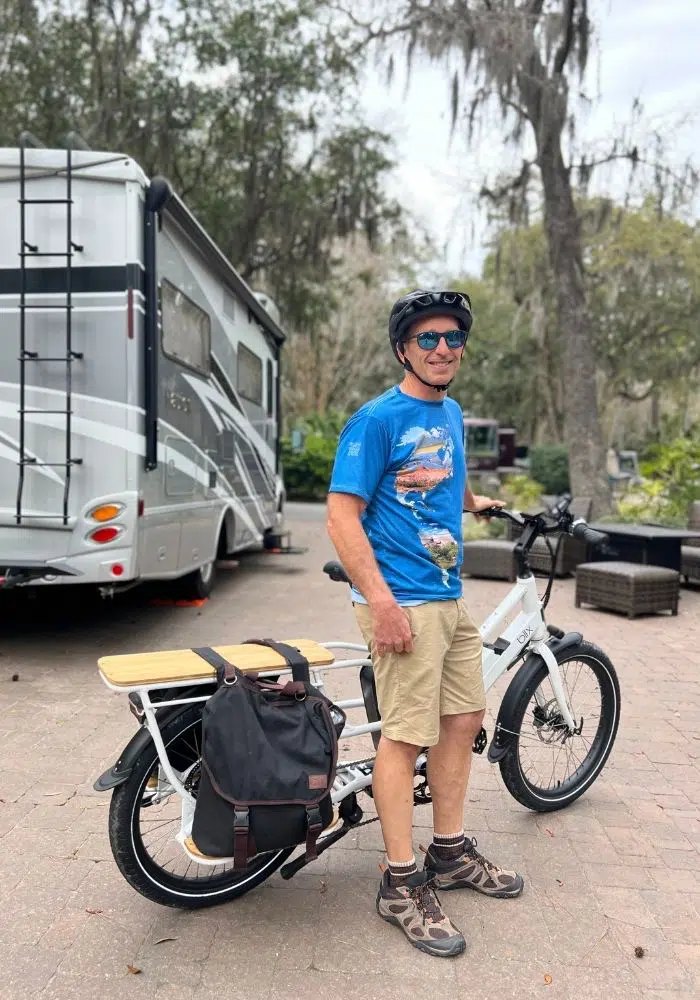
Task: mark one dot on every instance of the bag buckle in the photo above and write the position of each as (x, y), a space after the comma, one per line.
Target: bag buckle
(241, 826)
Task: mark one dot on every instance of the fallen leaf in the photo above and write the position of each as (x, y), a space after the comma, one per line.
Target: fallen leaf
(547, 979)
(134, 970)
(162, 940)
(639, 951)
(324, 886)
(15, 677)
(88, 910)
(548, 832)
(559, 881)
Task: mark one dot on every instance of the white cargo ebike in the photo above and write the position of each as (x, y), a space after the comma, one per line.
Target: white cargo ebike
(554, 731)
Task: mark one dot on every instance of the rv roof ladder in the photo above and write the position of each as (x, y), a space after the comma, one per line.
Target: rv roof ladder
(26, 356)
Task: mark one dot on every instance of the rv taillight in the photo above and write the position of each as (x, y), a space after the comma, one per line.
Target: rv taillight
(141, 507)
(106, 511)
(117, 569)
(103, 535)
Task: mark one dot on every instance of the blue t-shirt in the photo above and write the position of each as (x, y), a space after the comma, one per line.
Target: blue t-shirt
(405, 457)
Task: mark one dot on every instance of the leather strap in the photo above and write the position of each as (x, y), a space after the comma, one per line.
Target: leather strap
(296, 660)
(241, 829)
(314, 829)
(225, 671)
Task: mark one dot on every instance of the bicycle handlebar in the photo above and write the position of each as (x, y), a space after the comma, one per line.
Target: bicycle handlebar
(579, 529)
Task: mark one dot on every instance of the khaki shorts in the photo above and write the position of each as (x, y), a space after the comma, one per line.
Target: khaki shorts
(442, 676)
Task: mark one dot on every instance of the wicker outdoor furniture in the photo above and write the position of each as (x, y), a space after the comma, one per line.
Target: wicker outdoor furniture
(690, 553)
(631, 588)
(489, 557)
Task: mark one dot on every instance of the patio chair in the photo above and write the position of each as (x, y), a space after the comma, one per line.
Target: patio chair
(690, 552)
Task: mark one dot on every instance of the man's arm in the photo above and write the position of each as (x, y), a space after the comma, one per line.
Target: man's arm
(390, 625)
(474, 503)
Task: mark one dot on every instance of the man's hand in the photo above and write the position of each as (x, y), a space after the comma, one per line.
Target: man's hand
(391, 628)
(479, 503)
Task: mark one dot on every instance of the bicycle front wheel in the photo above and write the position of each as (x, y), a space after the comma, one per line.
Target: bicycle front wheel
(547, 767)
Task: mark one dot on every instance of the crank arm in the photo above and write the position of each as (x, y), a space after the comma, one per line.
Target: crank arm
(292, 867)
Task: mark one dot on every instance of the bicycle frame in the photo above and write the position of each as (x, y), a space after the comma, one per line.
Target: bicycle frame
(527, 631)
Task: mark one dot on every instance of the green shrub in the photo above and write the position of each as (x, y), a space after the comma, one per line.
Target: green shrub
(549, 465)
(521, 492)
(671, 482)
(307, 473)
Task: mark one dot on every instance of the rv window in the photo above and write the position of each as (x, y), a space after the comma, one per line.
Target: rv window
(249, 375)
(270, 390)
(186, 329)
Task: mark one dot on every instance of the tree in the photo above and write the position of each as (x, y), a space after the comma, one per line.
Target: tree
(501, 375)
(644, 280)
(248, 107)
(339, 365)
(524, 54)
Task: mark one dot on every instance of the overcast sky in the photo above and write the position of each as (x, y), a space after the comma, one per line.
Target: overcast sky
(646, 48)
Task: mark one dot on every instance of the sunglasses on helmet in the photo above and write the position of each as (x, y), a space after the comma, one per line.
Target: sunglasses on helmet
(429, 339)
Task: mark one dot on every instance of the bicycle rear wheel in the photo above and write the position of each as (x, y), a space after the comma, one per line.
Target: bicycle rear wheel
(142, 830)
(547, 768)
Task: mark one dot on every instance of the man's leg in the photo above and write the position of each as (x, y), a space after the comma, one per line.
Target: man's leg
(408, 691)
(453, 861)
(449, 765)
(392, 788)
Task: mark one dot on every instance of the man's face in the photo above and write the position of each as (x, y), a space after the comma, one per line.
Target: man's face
(440, 365)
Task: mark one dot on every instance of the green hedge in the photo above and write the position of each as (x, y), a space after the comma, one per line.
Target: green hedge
(549, 465)
(307, 473)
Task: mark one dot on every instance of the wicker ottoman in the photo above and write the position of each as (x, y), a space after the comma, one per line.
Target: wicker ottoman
(490, 557)
(631, 588)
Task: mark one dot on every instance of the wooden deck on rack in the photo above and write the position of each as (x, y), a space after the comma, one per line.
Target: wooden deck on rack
(172, 665)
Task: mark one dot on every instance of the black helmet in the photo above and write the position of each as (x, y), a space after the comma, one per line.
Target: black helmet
(420, 303)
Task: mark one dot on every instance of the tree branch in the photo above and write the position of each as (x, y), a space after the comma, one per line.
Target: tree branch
(567, 41)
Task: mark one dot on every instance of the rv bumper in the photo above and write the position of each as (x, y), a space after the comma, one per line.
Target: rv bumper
(18, 575)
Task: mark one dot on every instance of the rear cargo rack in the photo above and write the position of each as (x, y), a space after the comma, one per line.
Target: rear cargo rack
(27, 356)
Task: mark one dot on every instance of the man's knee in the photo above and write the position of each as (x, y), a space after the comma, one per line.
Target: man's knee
(464, 726)
(398, 748)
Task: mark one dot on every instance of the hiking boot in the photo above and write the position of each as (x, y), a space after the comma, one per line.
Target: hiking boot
(414, 907)
(472, 871)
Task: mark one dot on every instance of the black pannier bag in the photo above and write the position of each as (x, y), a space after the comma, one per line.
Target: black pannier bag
(269, 756)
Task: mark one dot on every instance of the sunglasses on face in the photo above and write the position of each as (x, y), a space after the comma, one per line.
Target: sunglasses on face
(429, 339)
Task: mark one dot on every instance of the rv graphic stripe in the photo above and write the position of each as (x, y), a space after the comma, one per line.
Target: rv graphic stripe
(54, 280)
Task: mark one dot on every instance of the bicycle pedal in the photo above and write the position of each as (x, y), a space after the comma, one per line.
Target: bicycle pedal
(480, 741)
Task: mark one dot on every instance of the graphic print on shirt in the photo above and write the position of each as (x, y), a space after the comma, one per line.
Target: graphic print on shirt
(429, 464)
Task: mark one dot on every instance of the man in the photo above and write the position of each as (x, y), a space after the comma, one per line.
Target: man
(395, 517)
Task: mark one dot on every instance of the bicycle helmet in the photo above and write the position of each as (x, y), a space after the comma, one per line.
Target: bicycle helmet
(420, 304)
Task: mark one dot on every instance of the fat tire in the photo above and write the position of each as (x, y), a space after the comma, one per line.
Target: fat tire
(135, 865)
(517, 784)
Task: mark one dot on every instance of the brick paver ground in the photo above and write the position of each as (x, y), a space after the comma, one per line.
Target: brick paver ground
(617, 871)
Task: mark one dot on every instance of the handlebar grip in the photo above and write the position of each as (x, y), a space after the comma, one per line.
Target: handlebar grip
(582, 531)
(336, 572)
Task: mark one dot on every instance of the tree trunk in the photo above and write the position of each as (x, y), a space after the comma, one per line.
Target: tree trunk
(578, 363)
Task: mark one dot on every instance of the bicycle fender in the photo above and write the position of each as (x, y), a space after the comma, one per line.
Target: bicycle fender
(122, 768)
(502, 739)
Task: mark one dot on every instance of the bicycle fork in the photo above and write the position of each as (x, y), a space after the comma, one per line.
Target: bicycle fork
(543, 650)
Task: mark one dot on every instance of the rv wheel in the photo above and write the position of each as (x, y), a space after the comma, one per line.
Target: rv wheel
(198, 584)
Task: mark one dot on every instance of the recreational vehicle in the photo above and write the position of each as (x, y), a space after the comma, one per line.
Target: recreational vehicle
(139, 381)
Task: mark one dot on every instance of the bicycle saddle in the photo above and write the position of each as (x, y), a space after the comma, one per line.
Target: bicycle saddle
(336, 572)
